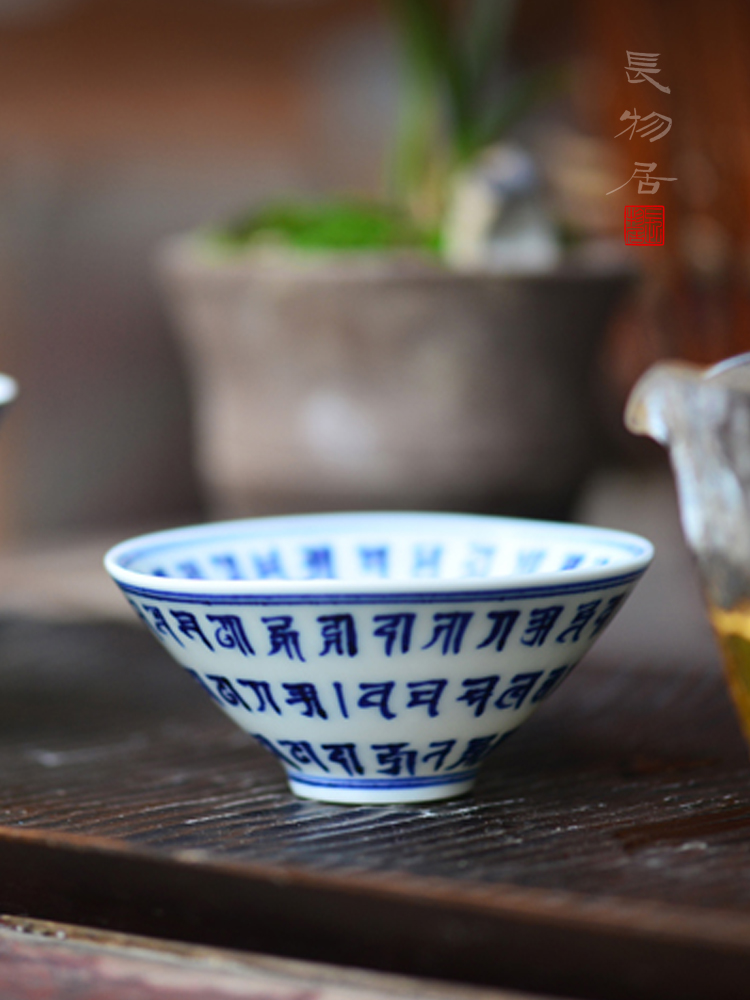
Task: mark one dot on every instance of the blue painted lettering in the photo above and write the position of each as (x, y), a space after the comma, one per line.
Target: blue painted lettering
(339, 635)
(572, 560)
(188, 626)
(302, 752)
(395, 628)
(283, 638)
(231, 634)
(377, 696)
(441, 751)
(426, 693)
(159, 623)
(190, 571)
(262, 691)
(339, 689)
(305, 694)
(449, 626)
(345, 755)
(502, 626)
(395, 758)
(227, 692)
(268, 566)
(478, 692)
(374, 561)
(541, 621)
(319, 563)
(582, 617)
(518, 690)
(427, 561)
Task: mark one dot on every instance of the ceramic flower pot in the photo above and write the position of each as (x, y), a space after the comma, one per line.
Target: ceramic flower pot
(370, 383)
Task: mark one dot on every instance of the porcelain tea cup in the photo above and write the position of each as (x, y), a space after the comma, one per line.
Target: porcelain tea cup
(381, 657)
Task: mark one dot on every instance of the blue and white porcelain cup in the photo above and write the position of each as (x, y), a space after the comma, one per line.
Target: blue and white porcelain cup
(380, 657)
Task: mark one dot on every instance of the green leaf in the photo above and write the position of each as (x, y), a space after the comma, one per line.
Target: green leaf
(331, 226)
(435, 67)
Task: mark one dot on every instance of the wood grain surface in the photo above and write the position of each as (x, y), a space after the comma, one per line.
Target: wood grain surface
(42, 960)
(604, 854)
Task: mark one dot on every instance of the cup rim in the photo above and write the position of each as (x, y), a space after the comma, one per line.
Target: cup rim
(637, 554)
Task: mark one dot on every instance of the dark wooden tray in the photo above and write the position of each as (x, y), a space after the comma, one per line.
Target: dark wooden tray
(605, 853)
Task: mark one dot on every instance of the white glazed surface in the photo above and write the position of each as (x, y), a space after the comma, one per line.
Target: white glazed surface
(8, 389)
(380, 657)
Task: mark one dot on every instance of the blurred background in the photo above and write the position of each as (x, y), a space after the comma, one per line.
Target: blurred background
(126, 121)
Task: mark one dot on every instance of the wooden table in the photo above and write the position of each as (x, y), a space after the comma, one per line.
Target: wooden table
(605, 853)
(41, 959)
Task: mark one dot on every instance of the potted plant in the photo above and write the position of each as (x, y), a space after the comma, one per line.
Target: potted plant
(367, 355)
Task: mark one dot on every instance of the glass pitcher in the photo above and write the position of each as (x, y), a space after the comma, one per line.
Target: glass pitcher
(702, 415)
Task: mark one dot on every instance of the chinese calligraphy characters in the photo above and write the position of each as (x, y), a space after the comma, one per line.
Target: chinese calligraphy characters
(657, 129)
(646, 183)
(642, 67)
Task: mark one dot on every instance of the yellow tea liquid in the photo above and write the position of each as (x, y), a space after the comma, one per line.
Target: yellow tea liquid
(733, 632)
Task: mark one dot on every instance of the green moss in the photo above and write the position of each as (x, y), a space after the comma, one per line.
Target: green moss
(325, 226)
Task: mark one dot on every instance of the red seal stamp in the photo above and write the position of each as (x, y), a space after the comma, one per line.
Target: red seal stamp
(644, 225)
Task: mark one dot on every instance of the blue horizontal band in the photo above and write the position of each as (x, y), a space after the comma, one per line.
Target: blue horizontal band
(384, 784)
(384, 597)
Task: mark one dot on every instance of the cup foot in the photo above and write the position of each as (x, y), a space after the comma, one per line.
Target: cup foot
(380, 791)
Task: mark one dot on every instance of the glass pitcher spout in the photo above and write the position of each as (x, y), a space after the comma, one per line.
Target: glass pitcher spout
(702, 415)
